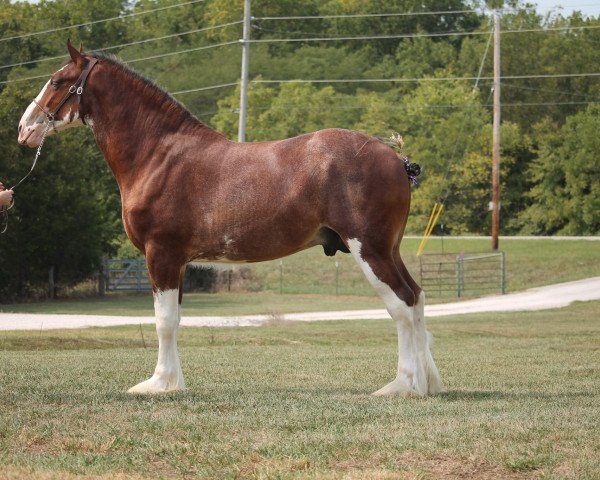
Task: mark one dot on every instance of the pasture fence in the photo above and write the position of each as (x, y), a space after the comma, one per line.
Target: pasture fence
(462, 274)
(310, 272)
(126, 275)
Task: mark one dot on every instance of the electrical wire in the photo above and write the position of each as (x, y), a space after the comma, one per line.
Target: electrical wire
(128, 44)
(365, 15)
(94, 22)
(265, 107)
(200, 89)
(457, 33)
(426, 79)
(196, 49)
(349, 80)
(561, 92)
(135, 60)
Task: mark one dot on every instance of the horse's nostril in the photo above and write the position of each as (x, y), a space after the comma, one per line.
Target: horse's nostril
(20, 128)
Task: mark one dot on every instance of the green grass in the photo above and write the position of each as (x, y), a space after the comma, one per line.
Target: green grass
(201, 304)
(292, 401)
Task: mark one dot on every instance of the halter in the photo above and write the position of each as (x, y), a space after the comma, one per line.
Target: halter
(76, 88)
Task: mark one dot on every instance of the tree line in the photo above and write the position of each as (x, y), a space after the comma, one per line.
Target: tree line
(67, 215)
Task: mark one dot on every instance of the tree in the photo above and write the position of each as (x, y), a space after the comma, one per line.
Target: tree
(66, 213)
(566, 173)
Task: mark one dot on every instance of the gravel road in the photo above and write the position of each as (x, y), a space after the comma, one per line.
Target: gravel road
(552, 296)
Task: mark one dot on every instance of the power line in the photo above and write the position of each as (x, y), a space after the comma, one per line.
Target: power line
(427, 79)
(562, 92)
(346, 80)
(374, 37)
(93, 22)
(128, 44)
(396, 107)
(452, 158)
(151, 57)
(196, 49)
(458, 33)
(364, 15)
(212, 87)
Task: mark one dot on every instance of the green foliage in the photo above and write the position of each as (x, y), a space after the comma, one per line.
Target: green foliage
(566, 177)
(65, 214)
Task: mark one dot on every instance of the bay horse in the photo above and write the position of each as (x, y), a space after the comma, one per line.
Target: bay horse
(189, 194)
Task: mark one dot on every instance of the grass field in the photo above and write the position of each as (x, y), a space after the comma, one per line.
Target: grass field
(529, 263)
(202, 304)
(309, 281)
(292, 401)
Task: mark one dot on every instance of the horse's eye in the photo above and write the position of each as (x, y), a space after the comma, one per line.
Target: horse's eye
(55, 84)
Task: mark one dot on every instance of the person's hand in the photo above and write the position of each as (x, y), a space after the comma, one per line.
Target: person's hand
(2, 187)
(6, 197)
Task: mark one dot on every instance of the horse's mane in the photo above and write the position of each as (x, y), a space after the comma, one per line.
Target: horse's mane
(172, 106)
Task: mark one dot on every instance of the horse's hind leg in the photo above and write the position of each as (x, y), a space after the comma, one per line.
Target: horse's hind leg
(423, 337)
(378, 266)
(165, 273)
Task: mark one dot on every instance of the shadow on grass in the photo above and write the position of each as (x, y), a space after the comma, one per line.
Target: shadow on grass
(460, 395)
(204, 395)
(481, 395)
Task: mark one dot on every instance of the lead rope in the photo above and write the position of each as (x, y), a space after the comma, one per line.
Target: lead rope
(4, 210)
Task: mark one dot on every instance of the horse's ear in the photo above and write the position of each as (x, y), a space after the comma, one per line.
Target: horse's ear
(80, 47)
(76, 56)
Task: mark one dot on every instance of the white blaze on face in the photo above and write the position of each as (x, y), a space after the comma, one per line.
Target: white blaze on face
(33, 121)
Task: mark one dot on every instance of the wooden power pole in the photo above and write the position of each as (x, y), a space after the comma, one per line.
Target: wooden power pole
(245, 41)
(496, 137)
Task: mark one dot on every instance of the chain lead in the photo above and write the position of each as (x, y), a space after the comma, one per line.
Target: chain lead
(4, 210)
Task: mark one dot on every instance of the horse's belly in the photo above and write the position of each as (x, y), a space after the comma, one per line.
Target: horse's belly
(254, 246)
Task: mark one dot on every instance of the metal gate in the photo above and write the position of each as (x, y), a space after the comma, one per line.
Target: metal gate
(461, 274)
(126, 275)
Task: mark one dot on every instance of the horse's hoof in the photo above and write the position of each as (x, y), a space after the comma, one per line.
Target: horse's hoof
(435, 387)
(155, 384)
(398, 387)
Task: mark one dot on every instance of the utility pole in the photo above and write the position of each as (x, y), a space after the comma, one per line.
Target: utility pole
(496, 137)
(245, 41)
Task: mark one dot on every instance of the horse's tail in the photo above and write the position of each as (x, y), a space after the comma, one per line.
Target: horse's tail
(412, 169)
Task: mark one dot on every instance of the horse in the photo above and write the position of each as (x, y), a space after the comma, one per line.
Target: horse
(189, 194)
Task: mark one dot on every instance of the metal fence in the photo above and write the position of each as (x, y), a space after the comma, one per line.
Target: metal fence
(462, 274)
(309, 272)
(126, 275)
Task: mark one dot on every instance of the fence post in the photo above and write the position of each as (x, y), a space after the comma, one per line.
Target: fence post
(337, 278)
(280, 276)
(51, 283)
(459, 275)
(503, 272)
(101, 282)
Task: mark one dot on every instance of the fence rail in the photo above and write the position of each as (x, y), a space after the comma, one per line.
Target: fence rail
(444, 274)
(126, 275)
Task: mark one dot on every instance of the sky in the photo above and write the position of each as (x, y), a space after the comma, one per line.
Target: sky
(587, 7)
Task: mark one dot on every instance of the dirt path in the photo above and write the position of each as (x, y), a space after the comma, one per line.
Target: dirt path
(552, 296)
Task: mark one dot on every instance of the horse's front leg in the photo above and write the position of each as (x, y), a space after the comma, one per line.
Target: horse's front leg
(165, 273)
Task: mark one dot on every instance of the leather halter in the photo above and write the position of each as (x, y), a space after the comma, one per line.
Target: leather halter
(76, 88)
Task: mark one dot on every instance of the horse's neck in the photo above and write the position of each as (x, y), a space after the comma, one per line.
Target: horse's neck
(130, 123)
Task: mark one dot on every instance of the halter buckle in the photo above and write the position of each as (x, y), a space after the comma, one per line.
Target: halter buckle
(72, 89)
(79, 90)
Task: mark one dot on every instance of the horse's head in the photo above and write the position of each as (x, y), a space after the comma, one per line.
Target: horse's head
(58, 102)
